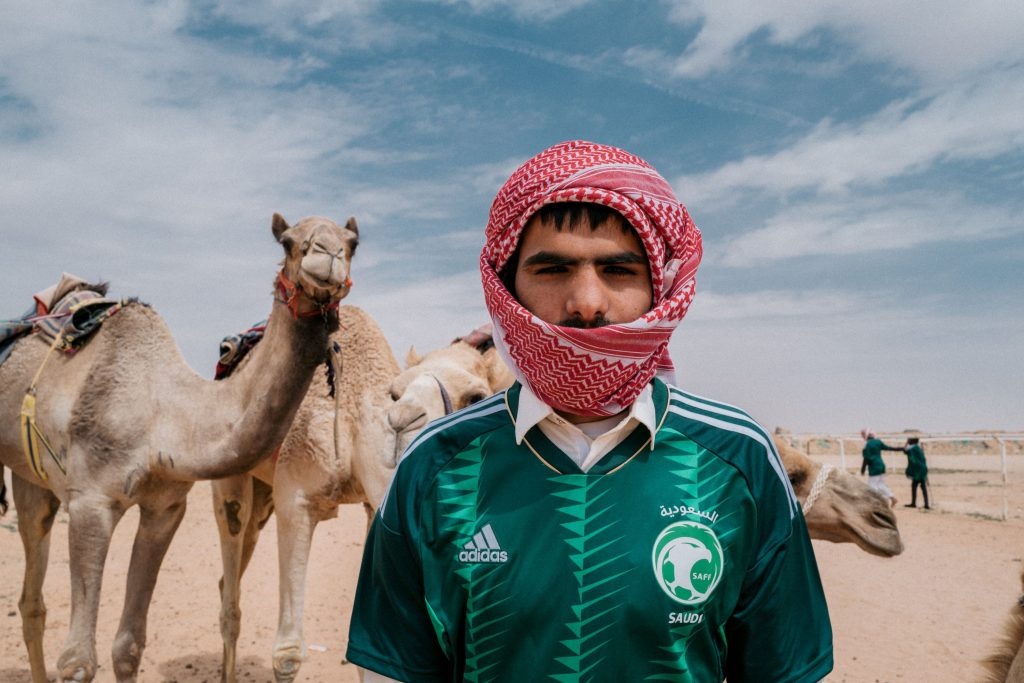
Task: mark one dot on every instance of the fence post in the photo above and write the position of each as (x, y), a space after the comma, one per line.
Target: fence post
(1002, 458)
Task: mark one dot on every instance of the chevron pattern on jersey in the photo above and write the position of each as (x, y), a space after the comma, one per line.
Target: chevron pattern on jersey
(590, 527)
(701, 486)
(458, 505)
(593, 372)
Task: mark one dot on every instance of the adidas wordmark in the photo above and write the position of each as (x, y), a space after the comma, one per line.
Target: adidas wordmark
(483, 548)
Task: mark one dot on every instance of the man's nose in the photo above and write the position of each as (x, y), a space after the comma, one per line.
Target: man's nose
(588, 297)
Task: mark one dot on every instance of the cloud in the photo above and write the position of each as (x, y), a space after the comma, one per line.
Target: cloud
(710, 305)
(428, 313)
(967, 122)
(862, 225)
(940, 41)
(332, 26)
(158, 116)
(524, 10)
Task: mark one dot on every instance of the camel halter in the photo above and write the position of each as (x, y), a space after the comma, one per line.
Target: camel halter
(818, 486)
(288, 293)
(445, 398)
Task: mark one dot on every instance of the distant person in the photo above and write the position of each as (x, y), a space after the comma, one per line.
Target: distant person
(917, 471)
(873, 463)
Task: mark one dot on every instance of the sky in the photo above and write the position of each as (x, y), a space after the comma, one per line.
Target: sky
(856, 168)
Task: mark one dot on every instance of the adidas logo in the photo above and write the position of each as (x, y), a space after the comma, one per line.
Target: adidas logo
(483, 548)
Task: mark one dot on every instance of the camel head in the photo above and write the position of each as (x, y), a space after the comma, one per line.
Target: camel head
(443, 381)
(317, 266)
(844, 509)
(1006, 662)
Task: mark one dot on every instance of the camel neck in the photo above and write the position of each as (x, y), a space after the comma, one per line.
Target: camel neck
(260, 399)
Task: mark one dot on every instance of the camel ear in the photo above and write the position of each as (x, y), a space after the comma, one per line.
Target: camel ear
(412, 358)
(279, 225)
(499, 376)
(352, 225)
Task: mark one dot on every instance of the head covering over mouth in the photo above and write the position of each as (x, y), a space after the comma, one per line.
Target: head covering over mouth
(595, 371)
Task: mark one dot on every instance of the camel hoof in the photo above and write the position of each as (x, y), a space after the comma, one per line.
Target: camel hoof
(285, 676)
(75, 673)
(286, 665)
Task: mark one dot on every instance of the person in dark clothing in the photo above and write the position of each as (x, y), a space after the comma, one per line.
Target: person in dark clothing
(917, 471)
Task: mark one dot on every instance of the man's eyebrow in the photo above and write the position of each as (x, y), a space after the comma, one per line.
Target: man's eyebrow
(624, 257)
(550, 258)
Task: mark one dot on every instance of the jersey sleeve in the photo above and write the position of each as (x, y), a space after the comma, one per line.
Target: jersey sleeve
(780, 629)
(391, 631)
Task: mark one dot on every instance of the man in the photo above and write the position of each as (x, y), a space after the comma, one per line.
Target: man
(917, 471)
(872, 462)
(593, 522)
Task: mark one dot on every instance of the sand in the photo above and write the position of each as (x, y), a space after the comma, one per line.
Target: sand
(927, 615)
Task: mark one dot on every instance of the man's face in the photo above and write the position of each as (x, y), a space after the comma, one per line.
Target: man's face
(583, 277)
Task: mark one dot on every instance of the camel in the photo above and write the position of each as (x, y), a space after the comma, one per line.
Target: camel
(135, 425)
(838, 506)
(1006, 663)
(337, 451)
(445, 380)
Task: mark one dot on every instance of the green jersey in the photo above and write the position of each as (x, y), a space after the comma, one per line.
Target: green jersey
(490, 561)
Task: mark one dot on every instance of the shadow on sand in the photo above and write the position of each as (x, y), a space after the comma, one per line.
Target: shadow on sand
(199, 668)
(206, 667)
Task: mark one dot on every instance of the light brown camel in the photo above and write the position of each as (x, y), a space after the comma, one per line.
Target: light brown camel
(1006, 663)
(337, 451)
(840, 507)
(136, 426)
(443, 381)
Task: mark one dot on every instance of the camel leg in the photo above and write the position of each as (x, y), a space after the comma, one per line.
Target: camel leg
(262, 508)
(232, 507)
(296, 521)
(242, 504)
(370, 512)
(37, 507)
(156, 530)
(91, 522)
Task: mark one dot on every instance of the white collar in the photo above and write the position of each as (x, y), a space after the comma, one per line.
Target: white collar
(532, 411)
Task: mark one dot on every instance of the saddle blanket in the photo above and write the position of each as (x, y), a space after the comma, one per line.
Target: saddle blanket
(71, 309)
(234, 347)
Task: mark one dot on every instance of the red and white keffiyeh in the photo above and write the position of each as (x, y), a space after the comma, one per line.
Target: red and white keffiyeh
(596, 371)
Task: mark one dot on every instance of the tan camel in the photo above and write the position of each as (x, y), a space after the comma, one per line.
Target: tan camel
(838, 506)
(337, 451)
(136, 426)
(445, 380)
(1006, 663)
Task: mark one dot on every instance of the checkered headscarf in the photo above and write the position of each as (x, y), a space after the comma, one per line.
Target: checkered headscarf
(597, 371)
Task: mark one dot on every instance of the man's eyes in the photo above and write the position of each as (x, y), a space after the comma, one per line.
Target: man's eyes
(622, 270)
(549, 270)
(610, 269)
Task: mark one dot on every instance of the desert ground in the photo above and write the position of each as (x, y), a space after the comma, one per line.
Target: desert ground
(927, 615)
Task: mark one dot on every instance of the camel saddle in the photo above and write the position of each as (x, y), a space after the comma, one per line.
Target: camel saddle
(235, 347)
(64, 314)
